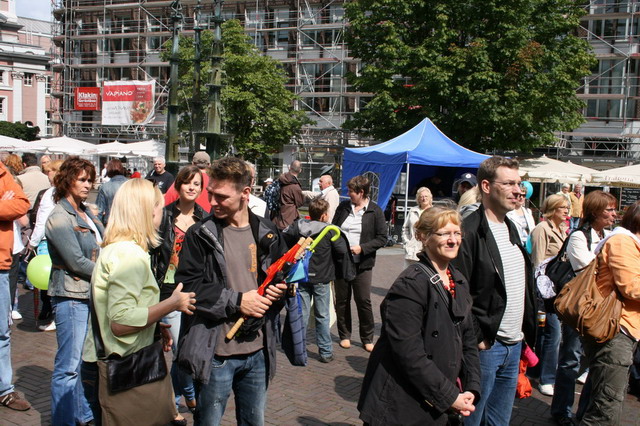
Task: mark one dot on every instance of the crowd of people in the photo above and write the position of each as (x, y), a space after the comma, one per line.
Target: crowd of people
(172, 264)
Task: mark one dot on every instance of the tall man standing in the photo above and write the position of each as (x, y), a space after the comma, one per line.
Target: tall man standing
(223, 259)
(159, 175)
(500, 277)
(576, 206)
(13, 204)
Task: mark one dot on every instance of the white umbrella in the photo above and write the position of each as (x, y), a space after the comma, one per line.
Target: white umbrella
(67, 145)
(548, 170)
(12, 144)
(628, 176)
(150, 148)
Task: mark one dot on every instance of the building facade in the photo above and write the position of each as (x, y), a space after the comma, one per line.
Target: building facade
(25, 76)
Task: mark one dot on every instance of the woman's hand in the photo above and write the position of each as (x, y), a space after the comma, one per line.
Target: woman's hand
(167, 340)
(464, 404)
(183, 302)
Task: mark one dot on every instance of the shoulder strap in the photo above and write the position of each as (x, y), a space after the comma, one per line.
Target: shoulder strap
(435, 280)
(97, 335)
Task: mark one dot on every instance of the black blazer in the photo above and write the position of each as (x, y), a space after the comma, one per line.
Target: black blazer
(373, 235)
(412, 371)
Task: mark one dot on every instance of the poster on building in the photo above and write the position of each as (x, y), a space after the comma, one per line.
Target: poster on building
(87, 99)
(127, 102)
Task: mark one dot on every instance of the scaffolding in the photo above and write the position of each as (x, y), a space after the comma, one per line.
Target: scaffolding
(104, 40)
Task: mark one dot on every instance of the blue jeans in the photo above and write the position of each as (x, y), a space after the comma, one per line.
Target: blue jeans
(548, 344)
(574, 222)
(182, 382)
(247, 376)
(498, 380)
(68, 402)
(6, 374)
(321, 295)
(568, 371)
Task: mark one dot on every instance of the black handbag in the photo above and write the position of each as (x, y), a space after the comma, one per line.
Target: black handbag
(144, 366)
(559, 269)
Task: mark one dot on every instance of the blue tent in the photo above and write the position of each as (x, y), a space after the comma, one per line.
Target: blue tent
(424, 145)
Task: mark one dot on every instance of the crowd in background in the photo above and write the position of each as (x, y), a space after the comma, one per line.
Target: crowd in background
(189, 252)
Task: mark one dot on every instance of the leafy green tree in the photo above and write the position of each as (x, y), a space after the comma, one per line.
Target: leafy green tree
(258, 109)
(19, 130)
(489, 73)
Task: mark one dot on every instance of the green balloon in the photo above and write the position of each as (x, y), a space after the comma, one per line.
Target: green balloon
(38, 271)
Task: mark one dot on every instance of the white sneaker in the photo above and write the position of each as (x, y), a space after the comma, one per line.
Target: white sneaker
(583, 378)
(15, 315)
(49, 327)
(546, 389)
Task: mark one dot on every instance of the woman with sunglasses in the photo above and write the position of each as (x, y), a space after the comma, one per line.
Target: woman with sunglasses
(522, 217)
(425, 366)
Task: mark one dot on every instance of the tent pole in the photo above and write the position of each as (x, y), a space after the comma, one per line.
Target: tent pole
(406, 192)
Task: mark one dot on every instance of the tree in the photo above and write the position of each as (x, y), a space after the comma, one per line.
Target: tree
(258, 109)
(19, 130)
(489, 73)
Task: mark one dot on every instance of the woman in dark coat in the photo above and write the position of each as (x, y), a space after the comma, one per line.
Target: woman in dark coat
(425, 367)
(362, 222)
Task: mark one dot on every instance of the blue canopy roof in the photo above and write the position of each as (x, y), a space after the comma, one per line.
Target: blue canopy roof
(423, 145)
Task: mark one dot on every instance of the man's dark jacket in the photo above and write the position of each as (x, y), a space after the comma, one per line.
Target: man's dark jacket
(202, 270)
(480, 263)
(373, 235)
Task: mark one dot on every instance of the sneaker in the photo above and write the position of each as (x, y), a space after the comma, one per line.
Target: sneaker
(14, 401)
(49, 327)
(563, 421)
(326, 359)
(15, 315)
(28, 286)
(583, 378)
(546, 389)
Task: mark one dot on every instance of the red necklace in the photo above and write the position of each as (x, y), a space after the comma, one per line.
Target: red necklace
(452, 285)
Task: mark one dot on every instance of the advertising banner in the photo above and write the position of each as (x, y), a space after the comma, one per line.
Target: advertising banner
(127, 102)
(87, 99)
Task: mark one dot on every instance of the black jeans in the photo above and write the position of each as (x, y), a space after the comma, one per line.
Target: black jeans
(360, 286)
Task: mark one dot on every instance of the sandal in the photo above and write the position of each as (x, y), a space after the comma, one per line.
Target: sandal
(345, 343)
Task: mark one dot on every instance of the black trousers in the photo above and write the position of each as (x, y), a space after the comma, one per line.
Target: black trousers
(360, 287)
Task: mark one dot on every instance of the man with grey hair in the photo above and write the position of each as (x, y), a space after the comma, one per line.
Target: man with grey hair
(291, 196)
(566, 188)
(159, 175)
(576, 206)
(256, 205)
(201, 160)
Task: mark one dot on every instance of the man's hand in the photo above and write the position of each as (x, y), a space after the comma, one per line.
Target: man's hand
(484, 346)
(254, 305)
(167, 340)
(464, 404)
(356, 250)
(275, 292)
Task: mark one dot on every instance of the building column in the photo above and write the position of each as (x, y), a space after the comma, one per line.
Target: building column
(41, 108)
(16, 113)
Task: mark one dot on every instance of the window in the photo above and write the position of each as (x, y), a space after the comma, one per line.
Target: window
(2, 106)
(28, 79)
(47, 87)
(2, 74)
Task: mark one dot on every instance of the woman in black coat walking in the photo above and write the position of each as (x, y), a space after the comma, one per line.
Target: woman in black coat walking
(425, 368)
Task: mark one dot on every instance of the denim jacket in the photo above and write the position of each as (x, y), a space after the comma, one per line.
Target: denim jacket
(73, 249)
(105, 196)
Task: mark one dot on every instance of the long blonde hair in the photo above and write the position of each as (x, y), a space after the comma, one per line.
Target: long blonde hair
(131, 216)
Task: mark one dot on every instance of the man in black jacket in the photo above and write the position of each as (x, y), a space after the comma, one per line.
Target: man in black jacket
(224, 258)
(500, 276)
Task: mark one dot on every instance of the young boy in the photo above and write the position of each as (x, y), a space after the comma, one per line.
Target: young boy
(330, 258)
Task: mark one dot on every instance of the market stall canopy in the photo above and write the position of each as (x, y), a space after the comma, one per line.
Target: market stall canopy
(628, 176)
(113, 149)
(67, 145)
(150, 148)
(548, 170)
(423, 145)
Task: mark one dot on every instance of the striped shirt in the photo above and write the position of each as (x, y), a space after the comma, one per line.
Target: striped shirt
(510, 330)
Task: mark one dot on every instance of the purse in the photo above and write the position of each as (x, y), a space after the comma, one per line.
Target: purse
(590, 310)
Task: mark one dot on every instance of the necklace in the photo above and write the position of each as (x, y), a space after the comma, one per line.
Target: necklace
(452, 285)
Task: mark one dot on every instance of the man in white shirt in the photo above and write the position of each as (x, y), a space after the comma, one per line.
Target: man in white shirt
(327, 192)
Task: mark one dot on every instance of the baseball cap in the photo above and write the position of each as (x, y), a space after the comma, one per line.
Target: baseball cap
(469, 178)
(201, 158)
(268, 180)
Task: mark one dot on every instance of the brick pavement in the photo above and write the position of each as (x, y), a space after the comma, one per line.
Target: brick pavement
(319, 394)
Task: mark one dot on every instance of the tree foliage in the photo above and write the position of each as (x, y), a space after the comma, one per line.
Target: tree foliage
(258, 109)
(490, 73)
(19, 131)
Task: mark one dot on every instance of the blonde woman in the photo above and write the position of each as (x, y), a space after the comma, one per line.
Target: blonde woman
(126, 297)
(546, 241)
(413, 246)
